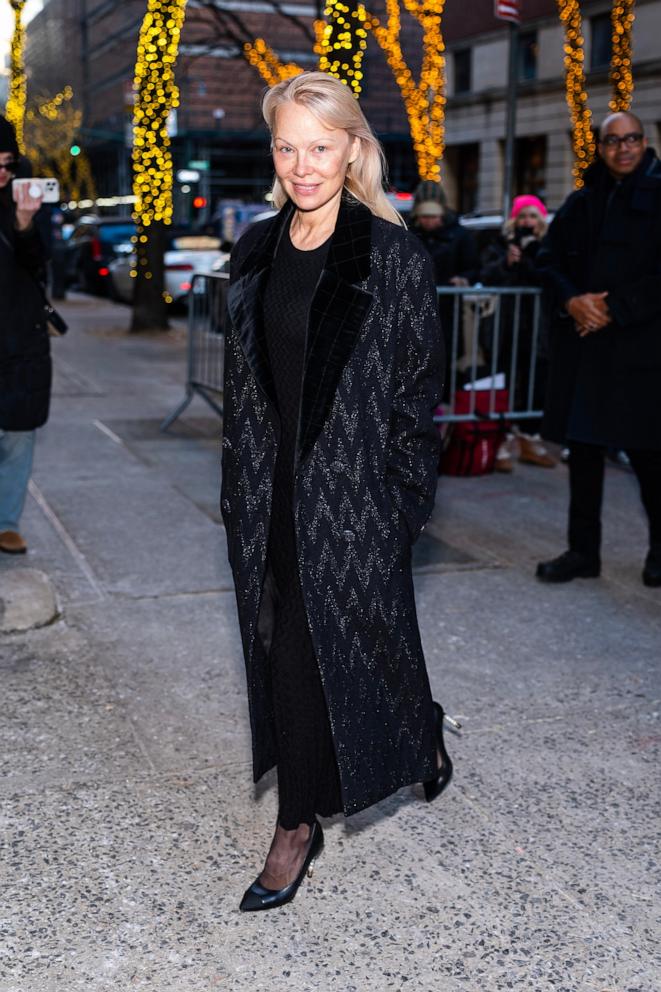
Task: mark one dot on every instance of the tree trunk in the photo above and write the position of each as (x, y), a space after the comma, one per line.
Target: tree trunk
(149, 307)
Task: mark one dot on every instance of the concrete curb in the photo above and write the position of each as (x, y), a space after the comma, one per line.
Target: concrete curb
(27, 600)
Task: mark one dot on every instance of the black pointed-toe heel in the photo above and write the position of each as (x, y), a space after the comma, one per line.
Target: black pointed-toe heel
(258, 897)
(435, 786)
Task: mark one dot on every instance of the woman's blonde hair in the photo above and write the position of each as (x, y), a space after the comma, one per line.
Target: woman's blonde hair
(331, 101)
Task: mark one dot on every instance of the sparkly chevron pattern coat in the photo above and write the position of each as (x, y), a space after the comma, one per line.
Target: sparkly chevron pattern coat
(365, 482)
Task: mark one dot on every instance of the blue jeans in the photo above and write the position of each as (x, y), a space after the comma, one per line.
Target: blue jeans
(16, 452)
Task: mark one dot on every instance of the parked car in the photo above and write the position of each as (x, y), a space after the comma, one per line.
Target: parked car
(90, 249)
(187, 254)
(234, 216)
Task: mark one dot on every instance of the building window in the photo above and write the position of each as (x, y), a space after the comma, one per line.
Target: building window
(602, 41)
(468, 166)
(530, 166)
(528, 49)
(463, 163)
(462, 71)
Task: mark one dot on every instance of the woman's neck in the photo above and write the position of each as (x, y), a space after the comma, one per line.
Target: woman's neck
(310, 228)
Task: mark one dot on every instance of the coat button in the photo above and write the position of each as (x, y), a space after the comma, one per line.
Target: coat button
(226, 505)
(348, 535)
(337, 466)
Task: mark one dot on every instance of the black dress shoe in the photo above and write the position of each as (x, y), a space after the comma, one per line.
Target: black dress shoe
(435, 786)
(652, 570)
(568, 566)
(257, 897)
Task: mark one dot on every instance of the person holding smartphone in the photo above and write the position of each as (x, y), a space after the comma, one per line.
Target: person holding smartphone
(510, 261)
(25, 364)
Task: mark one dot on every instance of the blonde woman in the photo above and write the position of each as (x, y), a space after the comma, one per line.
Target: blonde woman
(333, 369)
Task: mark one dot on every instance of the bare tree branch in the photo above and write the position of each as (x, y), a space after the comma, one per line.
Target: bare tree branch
(231, 27)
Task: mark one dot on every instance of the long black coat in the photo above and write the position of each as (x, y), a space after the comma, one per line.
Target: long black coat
(364, 487)
(604, 388)
(25, 365)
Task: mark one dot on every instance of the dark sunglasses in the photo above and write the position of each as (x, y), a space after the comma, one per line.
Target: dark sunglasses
(9, 166)
(614, 141)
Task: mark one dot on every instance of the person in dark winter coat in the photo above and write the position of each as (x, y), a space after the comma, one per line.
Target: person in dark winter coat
(25, 368)
(510, 261)
(332, 371)
(602, 261)
(453, 252)
(451, 247)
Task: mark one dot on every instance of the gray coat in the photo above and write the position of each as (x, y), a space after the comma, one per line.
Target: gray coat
(365, 482)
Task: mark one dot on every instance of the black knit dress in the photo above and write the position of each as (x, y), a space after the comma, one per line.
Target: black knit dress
(308, 780)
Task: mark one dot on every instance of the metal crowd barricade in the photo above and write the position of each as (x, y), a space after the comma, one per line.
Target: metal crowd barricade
(474, 324)
(207, 313)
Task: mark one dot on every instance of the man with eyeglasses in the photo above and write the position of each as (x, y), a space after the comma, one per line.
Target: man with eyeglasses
(601, 261)
(25, 367)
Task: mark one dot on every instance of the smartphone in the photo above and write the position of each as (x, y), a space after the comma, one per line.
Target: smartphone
(48, 189)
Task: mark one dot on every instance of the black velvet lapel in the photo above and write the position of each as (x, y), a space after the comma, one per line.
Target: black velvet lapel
(245, 302)
(337, 312)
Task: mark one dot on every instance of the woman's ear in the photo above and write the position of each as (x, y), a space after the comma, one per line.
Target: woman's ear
(355, 150)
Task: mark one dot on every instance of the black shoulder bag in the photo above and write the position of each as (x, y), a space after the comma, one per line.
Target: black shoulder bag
(55, 322)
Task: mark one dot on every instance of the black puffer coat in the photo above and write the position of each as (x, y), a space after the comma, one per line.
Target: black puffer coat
(25, 365)
(364, 487)
(604, 388)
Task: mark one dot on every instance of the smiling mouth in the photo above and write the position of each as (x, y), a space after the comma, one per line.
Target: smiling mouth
(306, 187)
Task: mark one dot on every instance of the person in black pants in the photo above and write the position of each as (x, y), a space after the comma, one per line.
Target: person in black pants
(601, 259)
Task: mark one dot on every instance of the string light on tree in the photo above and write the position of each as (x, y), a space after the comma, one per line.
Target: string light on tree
(424, 101)
(15, 109)
(52, 126)
(268, 65)
(577, 98)
(621, 74)
(341, 47)
(156, 95)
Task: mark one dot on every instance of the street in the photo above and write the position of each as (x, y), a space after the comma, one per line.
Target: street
(130, 824)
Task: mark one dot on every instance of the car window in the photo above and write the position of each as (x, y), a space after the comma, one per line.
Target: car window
(115, 234)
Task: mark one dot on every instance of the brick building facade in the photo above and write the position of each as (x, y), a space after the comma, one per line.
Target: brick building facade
(219, 117)
(91, 45)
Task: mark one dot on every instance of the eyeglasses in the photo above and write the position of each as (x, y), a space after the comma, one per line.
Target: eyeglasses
(614, 140)
(9, 166)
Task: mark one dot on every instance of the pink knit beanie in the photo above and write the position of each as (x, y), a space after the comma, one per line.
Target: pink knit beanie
(520, 202)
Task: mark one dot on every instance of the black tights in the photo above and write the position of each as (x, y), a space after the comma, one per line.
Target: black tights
(308, 780)
(586, 485)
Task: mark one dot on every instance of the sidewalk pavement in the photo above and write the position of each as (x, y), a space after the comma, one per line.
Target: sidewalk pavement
(130, 825)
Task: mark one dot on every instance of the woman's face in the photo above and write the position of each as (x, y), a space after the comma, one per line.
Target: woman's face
(530, 217)
(310, 159)
(6, 176)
